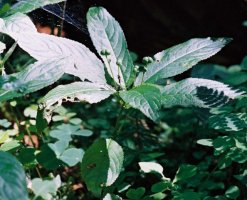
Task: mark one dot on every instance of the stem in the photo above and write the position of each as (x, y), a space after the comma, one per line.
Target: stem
(108, 63)
(6, 57)
(117, 128)
(63, 17)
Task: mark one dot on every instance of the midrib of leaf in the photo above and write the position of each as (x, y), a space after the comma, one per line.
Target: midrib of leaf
(107, 35)
(168, 63)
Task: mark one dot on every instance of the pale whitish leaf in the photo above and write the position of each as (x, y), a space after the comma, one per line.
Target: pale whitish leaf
(80, 61)
(205, 142)
(102, 164)
(12, 178)
(33, 78)
(107, 34)
(2, 47)
(197, 92)
(149, 167)
(228, 122)
(182, 57)
(26, 6)
(146, 98)
(66, 131)
(72, 156)
(111, 197)
(76, 92)
(45, 188)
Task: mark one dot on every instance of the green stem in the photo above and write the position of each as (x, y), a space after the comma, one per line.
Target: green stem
(6, 57)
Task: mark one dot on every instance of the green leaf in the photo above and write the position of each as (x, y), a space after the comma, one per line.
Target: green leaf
(228, 122)
(11, 145)
(146, 98)
(101, 165)
(107, 34)
(12, 178)
(72, 156)
(182, 57)
(49, 162)
(33, 78)
(80, 61)
(232, 192)
(111, 197)
(45, 188)
(188, 195)
(64, 132)
(135, 194)
(242, 178)
(26, 6)
(197, 92)
(184, 172)
(77, 91)
(161, 186)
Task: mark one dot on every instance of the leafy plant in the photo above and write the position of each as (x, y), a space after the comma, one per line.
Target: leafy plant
(145, 88)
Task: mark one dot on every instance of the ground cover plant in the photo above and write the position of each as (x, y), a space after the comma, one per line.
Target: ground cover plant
(80, 125)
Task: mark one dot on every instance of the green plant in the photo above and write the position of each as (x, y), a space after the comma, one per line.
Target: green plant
(145, 87)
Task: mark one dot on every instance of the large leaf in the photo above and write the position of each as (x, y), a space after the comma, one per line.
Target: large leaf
(107, 34)
(81, 62)
(146, 98)
(33, 78)
(101, 165)
(26, 6)
(228, 122)
(182, 57)
(12, 178)
(75, 92)
(197, 92)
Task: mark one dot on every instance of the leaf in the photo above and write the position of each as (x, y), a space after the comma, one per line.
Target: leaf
(197, 92)
(12, 178)
(101, 165)
(184, 172)
(2, 47)
(33, 78)
(135, 194)
(111, 197)
(188, 195)
(46, 188)
(205, 142)
(107, 34)
(146, 98)
(64, 132)
(80, 61)
(72, 156)
(182, 57)
(161, 186)
(228, 122)
(232, 192)
(75, 92)
(11, 145)
(149, 167)
(26, 6)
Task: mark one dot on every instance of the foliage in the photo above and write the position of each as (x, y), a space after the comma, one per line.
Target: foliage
(148, 137)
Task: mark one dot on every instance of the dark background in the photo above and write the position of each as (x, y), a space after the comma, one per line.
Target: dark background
(153, 25)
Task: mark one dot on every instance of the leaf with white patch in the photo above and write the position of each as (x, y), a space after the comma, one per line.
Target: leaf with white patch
(26, 6)
(35, 77)
(197, 92)
(101, 165)
(81, 62)
(75, 92)
(182, 57)
(107, 34)
(228, 122)
(146, 98)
